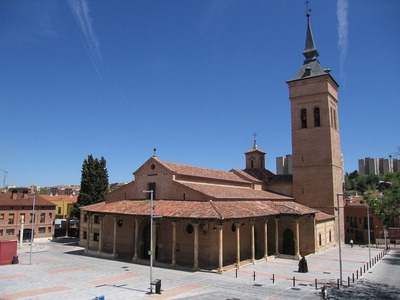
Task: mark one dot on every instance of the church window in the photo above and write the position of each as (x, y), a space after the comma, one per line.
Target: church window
(317, 121)
(189, 229)
(334, 119)
(320, 239)
(152, 187)
(303, 118)
(252, 164)
(330, 236)
(233, 227)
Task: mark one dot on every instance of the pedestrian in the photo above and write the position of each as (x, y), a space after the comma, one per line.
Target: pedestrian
(324, 292)
(305, 265)
(301, 267)
(351, 243)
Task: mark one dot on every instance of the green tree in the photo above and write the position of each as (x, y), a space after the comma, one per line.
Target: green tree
(386, 206)
(94, 183)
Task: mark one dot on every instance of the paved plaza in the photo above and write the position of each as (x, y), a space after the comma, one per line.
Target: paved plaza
(59, 270)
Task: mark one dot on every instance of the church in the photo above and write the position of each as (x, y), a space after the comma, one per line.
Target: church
(202, 218)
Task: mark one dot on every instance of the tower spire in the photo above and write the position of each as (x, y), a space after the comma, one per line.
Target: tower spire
(310, 51)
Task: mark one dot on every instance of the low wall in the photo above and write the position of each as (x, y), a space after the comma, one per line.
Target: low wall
(8, 249)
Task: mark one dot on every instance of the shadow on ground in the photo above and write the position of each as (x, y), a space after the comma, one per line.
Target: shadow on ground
(365, 289)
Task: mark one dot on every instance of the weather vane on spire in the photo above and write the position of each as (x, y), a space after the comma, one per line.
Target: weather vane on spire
(308, 9)
(255, 140)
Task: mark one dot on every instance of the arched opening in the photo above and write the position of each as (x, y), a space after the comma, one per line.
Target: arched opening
(303, 118)
(288, 242)
(146, 242)
(317, 118)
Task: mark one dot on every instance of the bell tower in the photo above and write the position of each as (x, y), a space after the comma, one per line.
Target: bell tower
(317, 160)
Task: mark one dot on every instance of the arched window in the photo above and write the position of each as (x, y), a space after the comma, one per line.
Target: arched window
(334, 119)
(317, 120)
(303, 118)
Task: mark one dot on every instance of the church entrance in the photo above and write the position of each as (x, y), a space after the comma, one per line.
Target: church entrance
(146, 234)
(288, 242)
(146, 242)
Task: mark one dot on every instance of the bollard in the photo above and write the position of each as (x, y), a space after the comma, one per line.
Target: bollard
(357, 274)
(360, 271)
(236, 273)
(254, 276)
(316, 285)
(338, 286)
(364, 268)
(273, 278)
(348, 281)
(294, 281)
(353, 277)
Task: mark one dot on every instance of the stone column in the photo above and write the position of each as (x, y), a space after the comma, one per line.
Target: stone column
(136, 244)
(220, 249)
(196, 247)
(173, 263)
(276, 236)
(253, 243)
(297, 238)
(237, 224)
(266, 239)
(114, 253)
(101, 218)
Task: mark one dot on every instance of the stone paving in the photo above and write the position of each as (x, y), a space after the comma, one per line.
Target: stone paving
(59, 270)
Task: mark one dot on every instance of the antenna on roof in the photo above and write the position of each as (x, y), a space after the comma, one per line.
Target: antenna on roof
(4, 178)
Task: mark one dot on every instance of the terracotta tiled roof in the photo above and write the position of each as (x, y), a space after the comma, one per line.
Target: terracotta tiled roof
(202, 172)
(6, 200)
(229, 192)
(321, 216)
(165, 208)
(262, 174)
(201, 209)
(291, 207)
(60, 198)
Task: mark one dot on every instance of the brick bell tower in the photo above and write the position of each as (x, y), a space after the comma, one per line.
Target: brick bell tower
(317, 160)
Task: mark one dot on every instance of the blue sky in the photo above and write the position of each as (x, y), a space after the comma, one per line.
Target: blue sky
(195, 79)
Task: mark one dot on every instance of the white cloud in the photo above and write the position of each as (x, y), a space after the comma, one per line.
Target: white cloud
(81, 12)
(342, 9)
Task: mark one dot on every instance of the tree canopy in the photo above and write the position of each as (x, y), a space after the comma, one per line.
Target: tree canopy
(386, 204)
(94, 183)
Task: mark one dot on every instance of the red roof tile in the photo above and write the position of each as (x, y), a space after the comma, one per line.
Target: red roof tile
(230, 192)
(202, 172)
(201, 209)
(6, 200)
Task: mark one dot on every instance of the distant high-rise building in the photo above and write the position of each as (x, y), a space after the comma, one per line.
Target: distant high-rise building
(377, 166)
(284, 165)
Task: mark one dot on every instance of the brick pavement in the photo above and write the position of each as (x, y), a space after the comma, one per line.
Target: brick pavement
(60, 270)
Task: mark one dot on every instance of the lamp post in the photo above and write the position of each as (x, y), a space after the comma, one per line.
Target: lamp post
(339, 230)
(151, 237)
(32, 229)
(369, 235)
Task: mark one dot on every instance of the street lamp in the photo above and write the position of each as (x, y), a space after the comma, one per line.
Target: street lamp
(369, 234)
(151, 237)
(339, 230)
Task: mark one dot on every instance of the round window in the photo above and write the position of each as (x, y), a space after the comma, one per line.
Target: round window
(153, 166)
(120, 222)
(189, 229)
